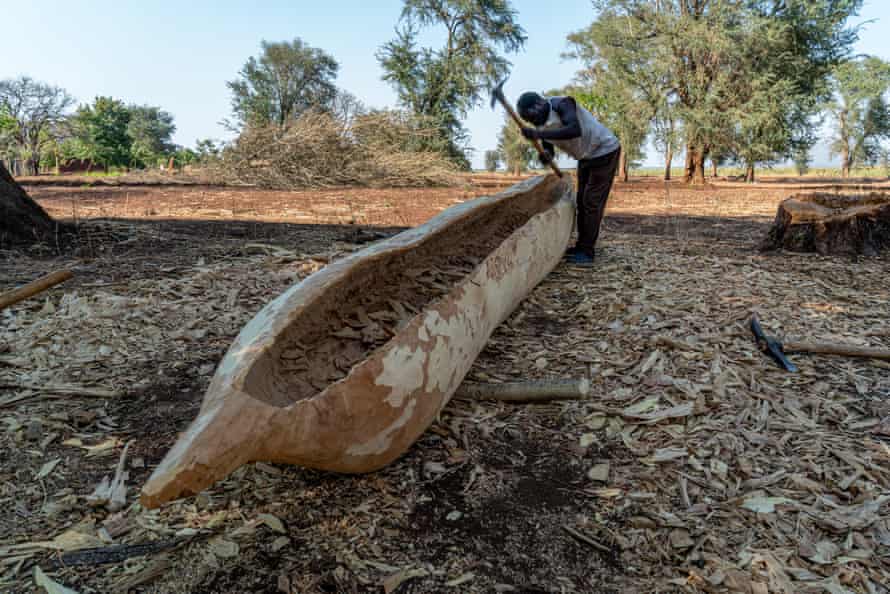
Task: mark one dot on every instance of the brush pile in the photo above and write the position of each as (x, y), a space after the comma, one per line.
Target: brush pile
(376, 149)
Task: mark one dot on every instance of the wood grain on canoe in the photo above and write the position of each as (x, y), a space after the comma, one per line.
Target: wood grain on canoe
(388, 376)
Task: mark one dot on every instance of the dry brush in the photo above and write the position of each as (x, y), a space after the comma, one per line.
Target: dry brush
(379, 149)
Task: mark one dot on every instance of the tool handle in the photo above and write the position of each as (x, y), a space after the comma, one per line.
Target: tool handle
(536, 142)
(847, 350)
(34, 287)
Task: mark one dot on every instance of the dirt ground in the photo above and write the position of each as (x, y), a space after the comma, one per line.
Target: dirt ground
(697, 467)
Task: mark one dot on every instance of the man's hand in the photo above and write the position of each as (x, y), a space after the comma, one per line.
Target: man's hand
(530, 133)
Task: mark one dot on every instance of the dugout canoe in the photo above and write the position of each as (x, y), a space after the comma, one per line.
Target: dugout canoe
(437, 292)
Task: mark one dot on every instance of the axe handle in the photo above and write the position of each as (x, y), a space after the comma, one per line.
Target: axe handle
(846, 350)
(536, 141)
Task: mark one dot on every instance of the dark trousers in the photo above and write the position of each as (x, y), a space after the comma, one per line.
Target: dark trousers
(595, 177)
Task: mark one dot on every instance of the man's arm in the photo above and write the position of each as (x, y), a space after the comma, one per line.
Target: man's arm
(569, 116)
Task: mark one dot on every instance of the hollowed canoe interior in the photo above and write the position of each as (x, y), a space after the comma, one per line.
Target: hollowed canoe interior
(379, 296)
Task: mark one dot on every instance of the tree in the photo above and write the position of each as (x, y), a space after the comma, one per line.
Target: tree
(36, 109)
(759, 130)
(208, 149)
(444, 84)
(715, 59)
(184, 156)
(7, 132)
(619, 108)
(719, 156)
(21, 219)
(101, 132)
(515, 151)
(492, 160)
(666, 135)
(802, 160)
(346, 107)
(859, 110)
(284, 81)
(151, 132)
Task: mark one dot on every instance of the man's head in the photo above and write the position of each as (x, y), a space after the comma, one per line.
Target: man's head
(533, 108)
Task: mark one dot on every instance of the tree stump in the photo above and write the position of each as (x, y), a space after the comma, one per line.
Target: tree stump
(21, 219)
(831, 224)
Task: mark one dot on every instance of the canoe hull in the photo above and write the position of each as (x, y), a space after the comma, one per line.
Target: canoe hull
(373, 415)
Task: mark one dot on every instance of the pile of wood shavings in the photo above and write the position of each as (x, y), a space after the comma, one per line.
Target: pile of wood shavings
(736, 476)
(103, 339)
(699, 466)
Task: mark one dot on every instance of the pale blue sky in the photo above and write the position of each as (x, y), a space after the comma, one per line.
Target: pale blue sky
(179, 56)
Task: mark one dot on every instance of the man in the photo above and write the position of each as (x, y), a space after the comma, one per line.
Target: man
(562, 122)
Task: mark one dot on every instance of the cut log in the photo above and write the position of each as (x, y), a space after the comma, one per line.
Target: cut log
(831, 224)
(21, 219)
(346, 369)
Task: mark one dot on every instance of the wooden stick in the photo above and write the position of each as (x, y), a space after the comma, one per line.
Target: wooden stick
(61, 390)
(846, 350)
(34, 287)
(114, 553)
(531, 391)
(586, 539)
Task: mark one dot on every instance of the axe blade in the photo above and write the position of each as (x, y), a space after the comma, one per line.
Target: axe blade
(771, 346)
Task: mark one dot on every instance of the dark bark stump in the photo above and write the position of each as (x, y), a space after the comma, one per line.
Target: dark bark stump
(21, 219)
(831, 224)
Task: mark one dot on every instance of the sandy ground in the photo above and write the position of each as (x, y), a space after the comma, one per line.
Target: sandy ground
(561, 497)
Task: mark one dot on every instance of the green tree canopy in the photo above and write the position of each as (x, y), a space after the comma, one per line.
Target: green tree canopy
(444, 84)
(619, 107)
(101, 132)
(285, 80)
(859, 110)
(515, 151)
(208, 149)
(492, 160)
(7, 134)
(151, 131)
(741, 74)
(34, 113)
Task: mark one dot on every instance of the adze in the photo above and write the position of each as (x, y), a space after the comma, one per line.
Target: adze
(777, 350)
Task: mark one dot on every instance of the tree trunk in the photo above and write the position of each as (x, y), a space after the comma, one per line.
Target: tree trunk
(845, 139)
(21, 219)
(831, 224)
(668, 158)
(713, 168)
(622, 165)
(695, 165)
(749, 173)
